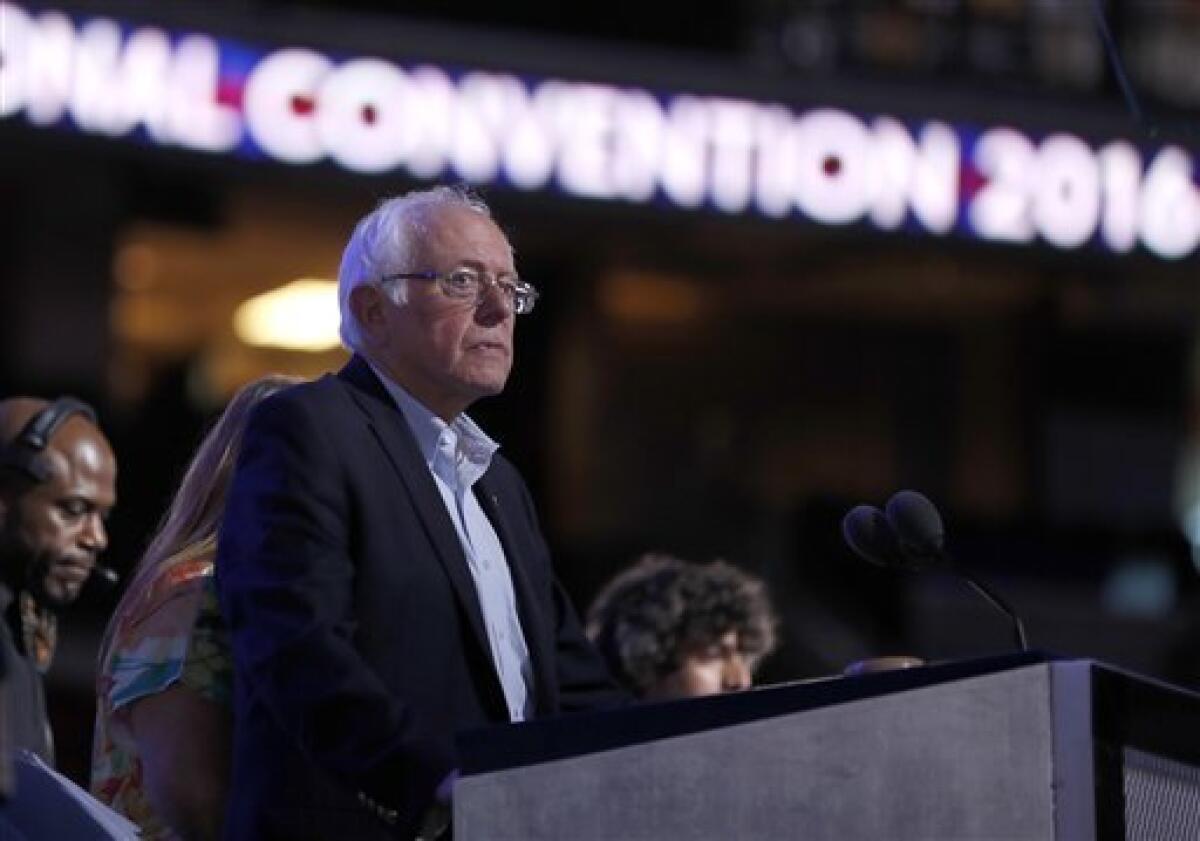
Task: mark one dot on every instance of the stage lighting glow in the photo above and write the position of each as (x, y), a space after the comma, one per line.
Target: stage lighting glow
(303, 315)
(1187, 496)
(1191, 529)
(1141, 587)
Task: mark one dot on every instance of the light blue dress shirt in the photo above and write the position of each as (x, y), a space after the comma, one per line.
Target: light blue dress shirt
(457, 455)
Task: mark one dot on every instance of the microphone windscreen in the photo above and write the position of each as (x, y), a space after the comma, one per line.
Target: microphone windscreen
(867, 532)
(917, 524)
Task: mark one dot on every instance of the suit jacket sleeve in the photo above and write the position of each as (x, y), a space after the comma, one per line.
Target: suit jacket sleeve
(583, 678)
(285, 578)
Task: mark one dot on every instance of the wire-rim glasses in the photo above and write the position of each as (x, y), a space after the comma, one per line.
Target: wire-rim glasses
(466, 283)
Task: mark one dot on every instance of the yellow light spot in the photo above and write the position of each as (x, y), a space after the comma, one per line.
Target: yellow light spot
(302, 315)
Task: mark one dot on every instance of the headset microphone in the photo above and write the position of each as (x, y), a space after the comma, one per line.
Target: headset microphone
(106, 577)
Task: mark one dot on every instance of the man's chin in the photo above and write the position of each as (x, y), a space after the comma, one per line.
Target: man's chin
(56, 594)
(486, 387)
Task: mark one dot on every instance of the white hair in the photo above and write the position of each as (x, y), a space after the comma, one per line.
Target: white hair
(383, 243)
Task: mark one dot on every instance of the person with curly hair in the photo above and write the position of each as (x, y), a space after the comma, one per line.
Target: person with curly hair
(674, 629)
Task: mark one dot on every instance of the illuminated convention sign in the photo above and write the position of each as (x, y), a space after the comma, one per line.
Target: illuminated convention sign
(373, 116)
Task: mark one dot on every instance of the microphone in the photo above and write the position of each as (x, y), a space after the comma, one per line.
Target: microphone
(918, 527)
(910, 534)
(867, 532)
(106, 577)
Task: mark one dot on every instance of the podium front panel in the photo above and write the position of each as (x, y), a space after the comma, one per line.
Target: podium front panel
(971, 759)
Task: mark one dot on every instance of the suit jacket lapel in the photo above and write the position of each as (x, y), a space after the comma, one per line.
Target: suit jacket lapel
(388, 423)
(533, 623)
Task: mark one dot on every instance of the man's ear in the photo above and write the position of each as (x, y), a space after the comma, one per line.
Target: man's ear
(366, 305)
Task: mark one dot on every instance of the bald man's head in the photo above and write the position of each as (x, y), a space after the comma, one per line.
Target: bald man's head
(52, 528)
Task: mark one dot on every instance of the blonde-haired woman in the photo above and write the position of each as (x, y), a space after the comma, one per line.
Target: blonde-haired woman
(163, 718)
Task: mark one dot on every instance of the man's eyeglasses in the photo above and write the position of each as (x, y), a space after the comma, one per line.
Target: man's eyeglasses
(467, 284)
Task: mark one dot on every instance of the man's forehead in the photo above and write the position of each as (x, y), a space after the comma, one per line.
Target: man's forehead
(79, 452)
(455, 228)
(79, 431)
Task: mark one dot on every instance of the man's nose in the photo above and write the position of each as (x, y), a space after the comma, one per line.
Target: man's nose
(95, 535)
(737, 673)
(495, 304)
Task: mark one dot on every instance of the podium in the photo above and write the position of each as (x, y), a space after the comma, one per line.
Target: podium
(1023, 746)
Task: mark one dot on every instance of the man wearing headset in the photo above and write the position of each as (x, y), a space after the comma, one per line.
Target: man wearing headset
(57, 485)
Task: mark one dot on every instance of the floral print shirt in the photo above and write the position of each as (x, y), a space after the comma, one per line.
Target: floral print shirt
(172, 633)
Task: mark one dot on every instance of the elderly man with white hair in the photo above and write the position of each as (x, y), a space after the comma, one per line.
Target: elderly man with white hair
(381, 566)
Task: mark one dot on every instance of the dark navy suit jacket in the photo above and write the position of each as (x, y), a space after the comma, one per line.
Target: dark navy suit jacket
(358, 640)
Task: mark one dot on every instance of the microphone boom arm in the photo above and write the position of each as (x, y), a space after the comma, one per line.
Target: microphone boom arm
(998, 602)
